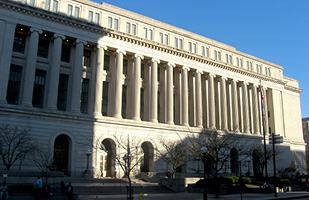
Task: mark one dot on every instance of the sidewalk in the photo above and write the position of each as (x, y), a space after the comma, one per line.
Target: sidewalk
(199, 196)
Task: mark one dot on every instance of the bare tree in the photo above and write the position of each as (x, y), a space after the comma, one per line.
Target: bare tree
(219, 145)
(15, 144)
(172, 153)
(43, 159)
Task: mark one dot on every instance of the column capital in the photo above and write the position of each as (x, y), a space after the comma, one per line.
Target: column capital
(234, 80)
(155, 60)
(212, 75)
(171, 64)
(139, 56)
(56, 35)
(39, 31)
(199, 71)
(245, 83)
(255, 85)
(123, 52)
(78, 41)
(99, 46)
(185, 68)
(224, 78)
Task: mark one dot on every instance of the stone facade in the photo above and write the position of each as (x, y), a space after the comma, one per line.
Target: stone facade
(74, 69)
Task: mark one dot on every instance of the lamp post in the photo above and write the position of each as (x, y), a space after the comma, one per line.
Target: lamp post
(204, 151)
(87, 171)
(248, 160)
(198, 165)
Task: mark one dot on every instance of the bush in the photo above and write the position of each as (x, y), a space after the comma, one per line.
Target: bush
(212, 182)
(247, 180)
(234, 179)
(21, 188)
(286, 182)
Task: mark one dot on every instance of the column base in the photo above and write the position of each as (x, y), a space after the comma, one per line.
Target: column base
(118, 116)
(52, 108)
(136, 118)
(154, 120)
(170, 123)
(27, 104)
(97, 114)
(185, 124)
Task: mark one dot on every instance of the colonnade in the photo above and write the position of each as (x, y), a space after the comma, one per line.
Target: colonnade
(193, 97)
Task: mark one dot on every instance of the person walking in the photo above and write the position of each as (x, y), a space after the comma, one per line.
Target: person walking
(69, 190)
(4, 191)
(38, 187)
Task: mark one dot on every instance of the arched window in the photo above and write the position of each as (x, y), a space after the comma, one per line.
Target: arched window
(234, 161)
(147, 164)
(61, 153)
(109, 163)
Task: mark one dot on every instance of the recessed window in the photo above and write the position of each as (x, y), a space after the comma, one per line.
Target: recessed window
(90, 16)
(124, 102)
(47, 4)
(39, 88)
(161, 38)
(125, 66)
(215, 55)
(128, 28)
(190, 46)
(105, 98)
(180, 44)
(87, 58)
(133, 29)
(84, 96)
(66, 52)
(219, 55)
(110, 22)
(203, 51)
(55, 6)
(176, 42)
(116, 24)
(43, 47)
(194, 48)
(106, 62)
(148, 33)
(19, 42)
(70, 10)
(97, 18)
(166, 39)
(62, 92)
(31, 2)
(13, 89)
(76, 14)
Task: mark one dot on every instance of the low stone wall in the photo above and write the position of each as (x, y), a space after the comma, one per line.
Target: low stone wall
(27, 196)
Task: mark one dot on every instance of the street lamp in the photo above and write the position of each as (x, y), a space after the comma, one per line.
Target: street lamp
(198, 165)
(87, 171)
(204, 151)
(248, 160)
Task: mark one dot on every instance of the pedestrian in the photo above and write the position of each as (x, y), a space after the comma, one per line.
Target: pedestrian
(62, 187)
(4, 191)
(116, 172)
(47, 192)
(69, 190)
(38, 187)
(307, 184)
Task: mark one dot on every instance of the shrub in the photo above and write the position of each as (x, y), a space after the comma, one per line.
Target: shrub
(234, 179)
(286, 182)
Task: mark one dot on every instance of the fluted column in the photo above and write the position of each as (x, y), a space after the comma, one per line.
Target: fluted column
(256, 118)
(212, 107)
(5, 60)
(245, 107)
(77, 75)
(184, 82)
(31, 66)
(223, 103)
(154, 91)
(235, 107)
(98, 86)
(199, 109)
(170, 94)
(54, 72)
(137, 87)
(118, 83)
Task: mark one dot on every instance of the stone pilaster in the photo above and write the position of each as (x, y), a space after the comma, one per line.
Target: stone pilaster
(137, 87)
(212, 107)
(184, 82)
(199, 109)
(154, 91)
(170, 94)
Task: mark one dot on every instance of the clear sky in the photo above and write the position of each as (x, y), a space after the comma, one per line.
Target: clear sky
(273, 30)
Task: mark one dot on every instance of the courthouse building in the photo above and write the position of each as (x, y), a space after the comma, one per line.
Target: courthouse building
(74, 69)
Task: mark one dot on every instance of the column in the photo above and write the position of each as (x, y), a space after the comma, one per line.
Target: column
(137, 87)
(245, 107)
(266, 111)
(223, 104)
(98, 86)
(77, 75)
(212, 107)
(118, 82)
(170, 94)
(54, 72)
(235, 106)
(184, 80)
(5, 59)
(256, 119)
(199, 109)
(154, 91)
(30, 67)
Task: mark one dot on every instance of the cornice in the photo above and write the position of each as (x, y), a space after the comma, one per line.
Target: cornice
(293, 89)
(81, 24)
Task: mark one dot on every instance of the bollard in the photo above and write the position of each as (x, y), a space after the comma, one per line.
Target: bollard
(141, 196)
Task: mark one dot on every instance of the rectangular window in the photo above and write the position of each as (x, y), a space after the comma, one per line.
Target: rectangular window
(248, 66)
(24, 1)
(150, 34)
(39, 88)
(237, 62)
(166, 39)
(32, 2)
(66, 52)
(12, 95)
(215, 55)
(70, 10)
(19, 42)
(219, 55)
(125, 66)
(227, 58)
(105, 98)
(124, 102)
(84, 96)
(106, 62)
(231, 59)
(97, 18)
(90, 16)
(207, 51)
(128, 28)
(251, 68)
(76, 12)
(47, 4)
(145, 33)
(203, 51)
(241, 64)
(62, 92)
(116, 24)
(142, 104)
(268, 71)
(194, 48)
(133, 29)
(142, 70)
(87, 57)
(55, 6)
(190, 46)
(110, 22)
(161, 38)
(180, 43)
(43, 47)
(176, 42)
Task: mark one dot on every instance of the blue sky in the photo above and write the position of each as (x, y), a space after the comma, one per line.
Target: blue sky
(273, 30)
